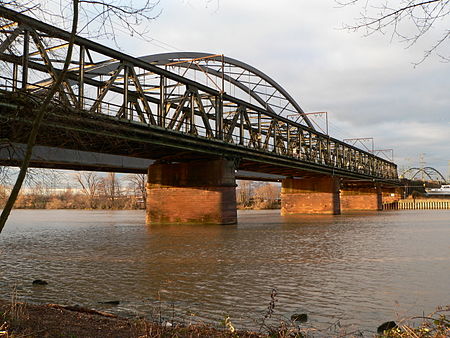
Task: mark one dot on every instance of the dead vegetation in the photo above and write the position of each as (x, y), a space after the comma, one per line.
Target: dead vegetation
(20, 320)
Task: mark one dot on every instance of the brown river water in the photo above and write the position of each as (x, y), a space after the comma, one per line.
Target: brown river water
(357, 270)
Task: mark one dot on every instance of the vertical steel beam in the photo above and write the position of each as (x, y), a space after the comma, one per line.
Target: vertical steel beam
(275, 125)
(162, 102)
(240, 111)
(328, 150)
(259, 130)
(319, 138)
(99, 106)
(219, 117)
(300, 143)
(15, 76)
(288, 142)
(81, 78)
(191, 113)
(310, 153)
(26, 52)
(223, 74)
(125, 93)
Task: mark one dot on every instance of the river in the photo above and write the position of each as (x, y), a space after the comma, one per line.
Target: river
(356, 270)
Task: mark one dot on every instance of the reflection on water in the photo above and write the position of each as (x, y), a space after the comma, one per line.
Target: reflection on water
(361, 269)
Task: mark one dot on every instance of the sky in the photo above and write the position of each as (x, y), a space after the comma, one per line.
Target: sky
(368, 84)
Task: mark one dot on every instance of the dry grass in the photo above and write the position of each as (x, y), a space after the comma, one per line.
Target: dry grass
(435, 325)
(20, 320)
(37, 321)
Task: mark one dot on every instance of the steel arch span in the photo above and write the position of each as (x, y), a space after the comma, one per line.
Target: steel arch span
(431, 173)
(235, 77)
(221, 73)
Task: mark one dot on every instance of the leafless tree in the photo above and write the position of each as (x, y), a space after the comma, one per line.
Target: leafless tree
(244, 193)
(267, 192)
(110, 189)
(47, 179)
(406, 20)
(5, 171)
(137, 183)
(109, 13)
(90, 184)
(5, 176)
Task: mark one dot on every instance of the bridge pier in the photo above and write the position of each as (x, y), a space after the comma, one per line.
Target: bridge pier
(392, 194)
(361, 196)
(312, 195)
(192, 192)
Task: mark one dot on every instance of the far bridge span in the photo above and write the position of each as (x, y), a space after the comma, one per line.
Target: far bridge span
(194, 121)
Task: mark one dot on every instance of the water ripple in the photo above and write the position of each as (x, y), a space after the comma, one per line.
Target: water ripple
(359, 269)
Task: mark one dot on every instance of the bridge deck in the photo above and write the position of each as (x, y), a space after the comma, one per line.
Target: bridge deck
(79, 130)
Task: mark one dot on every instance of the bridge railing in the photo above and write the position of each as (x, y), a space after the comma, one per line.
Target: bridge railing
(32, 54)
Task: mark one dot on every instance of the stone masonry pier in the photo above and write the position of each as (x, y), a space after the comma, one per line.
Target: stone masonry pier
(314, 195)
(192, 192)
(361, 196)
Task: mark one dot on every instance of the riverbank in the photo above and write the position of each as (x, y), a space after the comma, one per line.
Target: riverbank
(52, 320)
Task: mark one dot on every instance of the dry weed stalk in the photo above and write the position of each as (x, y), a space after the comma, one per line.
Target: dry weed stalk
(435, 325)
(16, 311)
(4, 331)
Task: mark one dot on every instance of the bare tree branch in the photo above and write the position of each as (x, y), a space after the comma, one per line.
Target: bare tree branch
(407, 20)
(90, 184)
(137, 182)
(103, 18)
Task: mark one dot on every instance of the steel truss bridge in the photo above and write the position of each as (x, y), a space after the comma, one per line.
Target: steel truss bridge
(166, 107)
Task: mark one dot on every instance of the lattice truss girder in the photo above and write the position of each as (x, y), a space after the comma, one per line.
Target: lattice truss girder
(234, 77)
(170, 96)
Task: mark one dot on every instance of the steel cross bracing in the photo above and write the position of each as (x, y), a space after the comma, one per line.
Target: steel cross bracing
(206, 96)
